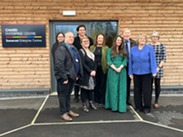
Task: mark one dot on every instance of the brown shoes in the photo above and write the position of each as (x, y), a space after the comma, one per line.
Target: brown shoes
(72, 114)
(66, 117)
(156, 105)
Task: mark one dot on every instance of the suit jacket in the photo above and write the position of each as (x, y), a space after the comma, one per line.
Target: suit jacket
(54, 47)
(64, 64)
(132, 42)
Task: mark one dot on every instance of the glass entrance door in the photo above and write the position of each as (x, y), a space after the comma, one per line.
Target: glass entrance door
(108, 28)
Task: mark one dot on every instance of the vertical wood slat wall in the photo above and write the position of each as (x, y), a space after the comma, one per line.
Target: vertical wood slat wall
(30, 67)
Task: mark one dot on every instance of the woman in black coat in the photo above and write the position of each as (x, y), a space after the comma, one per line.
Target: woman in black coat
(89, 71)
(59, 38)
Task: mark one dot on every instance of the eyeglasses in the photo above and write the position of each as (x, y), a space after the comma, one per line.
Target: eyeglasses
(60, 37)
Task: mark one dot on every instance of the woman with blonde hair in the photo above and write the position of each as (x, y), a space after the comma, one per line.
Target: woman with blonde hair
(142, 66)
(87, 84)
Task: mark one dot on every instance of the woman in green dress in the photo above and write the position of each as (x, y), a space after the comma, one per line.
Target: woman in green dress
(116, 77)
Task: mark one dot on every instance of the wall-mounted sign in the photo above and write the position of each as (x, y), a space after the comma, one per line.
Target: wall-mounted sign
(23, 35)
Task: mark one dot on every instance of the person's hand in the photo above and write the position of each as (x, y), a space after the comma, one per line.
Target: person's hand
(113, 67)
(131, 77)
(157, 69)
(93, 73)
(154, 75)
(66, 81)
(118, 70)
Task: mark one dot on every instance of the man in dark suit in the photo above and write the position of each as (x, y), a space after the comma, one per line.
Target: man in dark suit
(129, 42)
(68, 69)
(81, 32)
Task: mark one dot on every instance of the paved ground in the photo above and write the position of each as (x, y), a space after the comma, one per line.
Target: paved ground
(39, 117)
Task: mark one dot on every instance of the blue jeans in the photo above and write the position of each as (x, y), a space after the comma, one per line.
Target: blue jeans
(64, 93)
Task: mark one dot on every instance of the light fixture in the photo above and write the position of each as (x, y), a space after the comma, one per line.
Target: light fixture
(69, 13)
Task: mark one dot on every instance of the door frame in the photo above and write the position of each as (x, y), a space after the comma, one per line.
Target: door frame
(52, 27)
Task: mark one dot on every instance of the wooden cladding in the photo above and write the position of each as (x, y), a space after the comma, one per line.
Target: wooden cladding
(30, 67)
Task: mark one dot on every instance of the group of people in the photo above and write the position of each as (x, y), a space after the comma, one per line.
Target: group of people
(103, 74)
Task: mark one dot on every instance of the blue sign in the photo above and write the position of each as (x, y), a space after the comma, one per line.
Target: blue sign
(23, 35)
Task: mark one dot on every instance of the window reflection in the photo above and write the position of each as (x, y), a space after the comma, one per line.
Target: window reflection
(108, 28)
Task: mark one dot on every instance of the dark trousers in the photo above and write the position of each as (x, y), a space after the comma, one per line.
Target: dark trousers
(76, 91)
(86, 95)
(99, 91)
(157, 82)
(142, 91)
(128, 87)
(64, 92)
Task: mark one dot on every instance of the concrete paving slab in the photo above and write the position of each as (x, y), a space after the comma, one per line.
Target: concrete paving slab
(50, 113)
(165, 121)
(15, 113)
(136, 129)
(170, 112)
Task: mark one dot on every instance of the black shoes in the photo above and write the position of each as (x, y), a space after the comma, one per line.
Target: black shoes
(128, 103)
(139, 110)
(76, 99)
(147, 110)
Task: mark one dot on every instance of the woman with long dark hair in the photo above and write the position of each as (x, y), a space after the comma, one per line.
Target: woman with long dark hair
(59, 38)
(116, 77)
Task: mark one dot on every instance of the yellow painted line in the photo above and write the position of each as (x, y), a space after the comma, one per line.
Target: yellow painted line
(164, 126)
(138, 116)
(87, 122)
(34, 119)
(14, 130)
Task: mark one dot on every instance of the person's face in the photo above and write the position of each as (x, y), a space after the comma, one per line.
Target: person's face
(85, 43)
(60, 38)
(126, 35)
(69, 38)
(82, 31)
(118, 41)
(154, 39)
(100, 39)
(142, 40)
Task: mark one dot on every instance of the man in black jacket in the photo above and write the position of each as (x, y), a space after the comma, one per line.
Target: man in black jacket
(68, 69)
